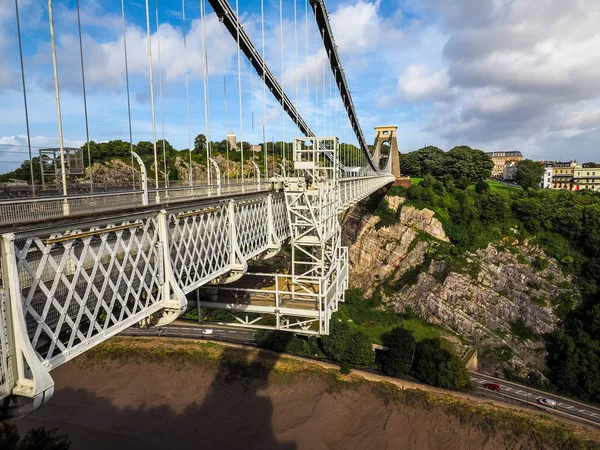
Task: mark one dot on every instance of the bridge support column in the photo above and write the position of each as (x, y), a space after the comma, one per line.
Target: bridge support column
(25, 383)
(173, 297)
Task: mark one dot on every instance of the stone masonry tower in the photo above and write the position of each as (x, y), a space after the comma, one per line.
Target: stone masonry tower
(386, 146)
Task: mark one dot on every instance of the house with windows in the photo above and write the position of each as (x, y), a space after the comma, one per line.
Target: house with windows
(586, 178)
(562, 175)
(500, 159)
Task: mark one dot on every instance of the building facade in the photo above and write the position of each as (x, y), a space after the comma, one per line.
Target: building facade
(562, 175)
(586, 178)
(546, 182)
(500, 159)
(509, 171)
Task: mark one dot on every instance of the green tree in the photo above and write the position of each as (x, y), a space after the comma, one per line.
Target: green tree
(346, 344)
(427, 160)
(145, 148)
(401, 345)
(273, 340)
(482, 186)
(200, 143)
(466, 162)
(437, 366)
(529, 173)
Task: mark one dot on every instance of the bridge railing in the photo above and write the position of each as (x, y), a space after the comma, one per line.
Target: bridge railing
(30, 210)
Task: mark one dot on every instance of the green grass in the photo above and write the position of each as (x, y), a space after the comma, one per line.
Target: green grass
(416, 180)
(497, 186)
(364, 315)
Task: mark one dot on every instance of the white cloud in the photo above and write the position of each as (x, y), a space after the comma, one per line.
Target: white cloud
(520, 71)
(419, 83)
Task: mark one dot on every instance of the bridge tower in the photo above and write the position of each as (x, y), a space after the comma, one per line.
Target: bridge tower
(386, 145)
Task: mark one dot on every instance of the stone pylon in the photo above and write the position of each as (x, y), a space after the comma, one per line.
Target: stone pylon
(386, 146)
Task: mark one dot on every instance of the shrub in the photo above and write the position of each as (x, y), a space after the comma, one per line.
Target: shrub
(540, 263)
(522, 331)
(482, 186)
(345, 368)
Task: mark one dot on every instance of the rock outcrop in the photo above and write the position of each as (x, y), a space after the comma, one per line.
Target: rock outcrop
(481, 296)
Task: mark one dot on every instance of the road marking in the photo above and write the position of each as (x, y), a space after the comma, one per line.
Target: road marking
(508, 389)
(569, 407)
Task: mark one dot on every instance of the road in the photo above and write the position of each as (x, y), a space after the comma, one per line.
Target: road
(192, 331)
(509, 391)
(527, 395)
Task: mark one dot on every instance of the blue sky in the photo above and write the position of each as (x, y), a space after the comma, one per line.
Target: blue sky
(493, 74)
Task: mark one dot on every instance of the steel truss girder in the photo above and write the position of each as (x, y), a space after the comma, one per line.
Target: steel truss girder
(65, 289)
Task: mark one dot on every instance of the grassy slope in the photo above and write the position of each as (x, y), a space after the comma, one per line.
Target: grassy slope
(364, 315)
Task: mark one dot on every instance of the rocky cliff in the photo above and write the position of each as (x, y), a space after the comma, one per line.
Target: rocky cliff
(499, 300)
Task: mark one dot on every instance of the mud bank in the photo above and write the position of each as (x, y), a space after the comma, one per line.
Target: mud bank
(153, 394)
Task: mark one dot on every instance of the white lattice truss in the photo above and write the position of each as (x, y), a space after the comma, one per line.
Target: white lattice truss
(66, 289)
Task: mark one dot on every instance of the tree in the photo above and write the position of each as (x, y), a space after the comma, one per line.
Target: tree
(466, 162)
(273, 340)
(346, 344)
(437, 366)
(200, 143)
(482, 186)
(427, 160)
(145, 148)
(397, 360)
(529, 173)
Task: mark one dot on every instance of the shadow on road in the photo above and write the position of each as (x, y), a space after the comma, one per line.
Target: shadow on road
(232, 411)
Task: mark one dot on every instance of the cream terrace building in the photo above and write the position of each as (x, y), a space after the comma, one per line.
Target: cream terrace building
(500, 159)
(586, 178)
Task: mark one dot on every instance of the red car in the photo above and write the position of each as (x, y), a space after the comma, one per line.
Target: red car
(492, 386)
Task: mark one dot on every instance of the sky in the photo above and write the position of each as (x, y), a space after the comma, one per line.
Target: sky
(492, 74)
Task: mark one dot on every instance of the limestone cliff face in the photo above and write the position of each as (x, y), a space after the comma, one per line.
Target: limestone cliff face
(377, 254)
(480, 296)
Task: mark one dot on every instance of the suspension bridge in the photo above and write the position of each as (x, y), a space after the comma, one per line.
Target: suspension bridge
(77, 269)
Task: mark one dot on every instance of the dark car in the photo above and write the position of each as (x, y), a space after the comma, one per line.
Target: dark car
(492, 386)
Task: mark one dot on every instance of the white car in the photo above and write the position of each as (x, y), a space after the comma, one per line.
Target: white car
(547, 402)
(207, 331)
